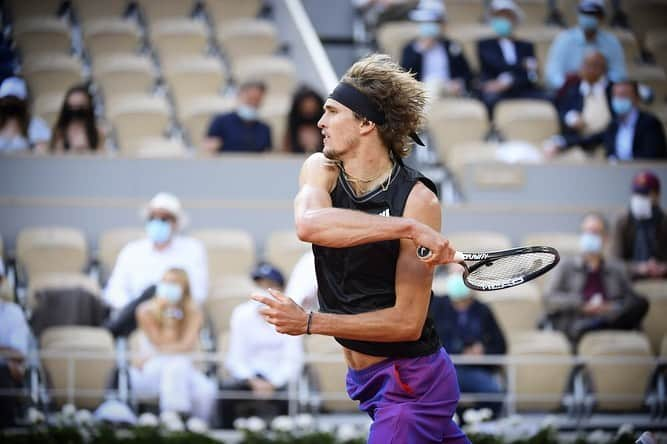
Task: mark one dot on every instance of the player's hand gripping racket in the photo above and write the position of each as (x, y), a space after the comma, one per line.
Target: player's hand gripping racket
(495, 270)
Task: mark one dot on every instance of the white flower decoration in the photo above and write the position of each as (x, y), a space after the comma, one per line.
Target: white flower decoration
(346, 432)
(626, 429)
(168, 416)
(148, 420)
(175, 425)
(84, 417)
(240, 424)
(68, 411)
(35, 416)
(304, 421)
(197, 425)
(282, 424)
(255, 424)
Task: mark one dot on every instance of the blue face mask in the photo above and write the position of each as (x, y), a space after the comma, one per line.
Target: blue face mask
(158, 231)
(502, 26)
(171, 292)
(456, 289)
(621, 105)
(588, 22)
(429, 30)
(247, 113)
(590, 243)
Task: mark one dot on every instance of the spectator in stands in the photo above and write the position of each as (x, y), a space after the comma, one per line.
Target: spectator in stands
(19, 131)
(76, 129)
(14, 335)
(303, 135)
(632, 134)
(377, 12)
(241, 130)
(259, 359)
(592, 292)
(436, 60)
(570, 46)
(170, 324)
(142, 263)
(640, 234)
(467, 326)
(508, 66)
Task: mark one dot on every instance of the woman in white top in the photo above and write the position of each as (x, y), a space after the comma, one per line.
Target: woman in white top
(170, 323)
(19, 131)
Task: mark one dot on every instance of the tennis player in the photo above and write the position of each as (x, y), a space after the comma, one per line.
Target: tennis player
(365, 213)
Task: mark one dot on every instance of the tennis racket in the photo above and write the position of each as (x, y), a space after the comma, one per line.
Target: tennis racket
(495, 270)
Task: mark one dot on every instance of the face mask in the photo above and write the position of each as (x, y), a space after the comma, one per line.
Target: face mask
(171, 292)
(588, 22)
(429, 30)
(621, 105)
(640, 207)
(456, 289)
(590, 243)
(501, 26)
(247, 113)
(158, 231)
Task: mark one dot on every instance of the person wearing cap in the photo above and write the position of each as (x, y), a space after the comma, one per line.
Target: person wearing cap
(240, 130)
(141, 263)
(640, 233)
(19, 131)
(508, 66)
(570, 46)
(259, 359)
(436, 60)
(590, 291)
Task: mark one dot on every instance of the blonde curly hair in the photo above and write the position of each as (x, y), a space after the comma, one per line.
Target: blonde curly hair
(396, 93)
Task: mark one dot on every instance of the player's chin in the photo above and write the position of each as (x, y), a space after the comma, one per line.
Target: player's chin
(329, 152)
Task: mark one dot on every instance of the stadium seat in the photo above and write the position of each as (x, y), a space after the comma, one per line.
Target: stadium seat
(277, 72)
(646, 15)
(655, 290)
(656, 42)
(156, 10)
(663, 347)
(653, 76)
(89, 10)
(178, 37)
(51, 73)
(629, 43)
(84, 382)
(516, 309)
(223, 11)
(464, 11)
(194, 76)
(330, 372)
(566, 243)
(138, 117)
(539, 386)
(274, 112)
(222, 348)
(284, 249)
(229, 252)
(531, 121)
(111, 36)
(225, 294)
(542, 36)
(51, 249)
(453, 121)
(467, 34)
(47, 106)
(111, 242)
(248, 38)
(196, 114)
(617, 386)
(535, 11)
(393, 36)
(461, 154)
(161, 147)
(472, 241)
(122, 74)
(42, 35)
(51, 281)
(22, 9)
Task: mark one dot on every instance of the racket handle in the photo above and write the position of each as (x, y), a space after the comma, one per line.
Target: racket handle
(458, 257)
(424, 253)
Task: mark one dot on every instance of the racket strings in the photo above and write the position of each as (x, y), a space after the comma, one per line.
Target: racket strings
(509, 268)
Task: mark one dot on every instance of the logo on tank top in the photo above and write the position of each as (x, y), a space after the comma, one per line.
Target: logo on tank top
(384, 212)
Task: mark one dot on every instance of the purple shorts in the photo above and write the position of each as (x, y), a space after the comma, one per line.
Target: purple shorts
(411, 400)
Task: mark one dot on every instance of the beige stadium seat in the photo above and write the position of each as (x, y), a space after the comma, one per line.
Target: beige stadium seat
(111, 242)
(277, 72)
(393, 36)
(194, 76)
(284, 249)
(22, 9)
(567, 244)
(464, 11)
(225, 294)
(53, 281)
(653, 76)
(248, 38)
(467, 34)
(531, 121)
(472, 241)
(617, 386)
(646, 15)
(330, 371)
(274, 112)
(229, 252)
(541, 36)
(161, 148)
(458, 156)
(663, 347)
(48, 106)
(653, 325)
(124, 73)
(51, 249)
(223, 11)
(656, 42)
(178, 37)
(156, 10)
(535, 11)
(222, 347)
(196, 115)
(51, 73)
(516, 309)
(454, 121)
(138, 117)
(629, 43)
(111, 36)
(540, 386)
(90, 10)
(84, 382)
(42, 35)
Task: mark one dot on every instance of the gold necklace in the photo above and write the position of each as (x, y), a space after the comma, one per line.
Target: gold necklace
(385, 183)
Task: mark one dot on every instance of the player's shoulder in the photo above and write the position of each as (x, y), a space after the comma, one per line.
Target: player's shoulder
(422, 198)
(319, 169)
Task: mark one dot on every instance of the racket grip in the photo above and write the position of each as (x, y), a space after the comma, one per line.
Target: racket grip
(458, 257)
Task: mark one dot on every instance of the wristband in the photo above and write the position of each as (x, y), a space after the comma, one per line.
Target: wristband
(310, 319)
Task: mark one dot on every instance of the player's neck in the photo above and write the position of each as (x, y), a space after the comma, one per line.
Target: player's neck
(367, 170)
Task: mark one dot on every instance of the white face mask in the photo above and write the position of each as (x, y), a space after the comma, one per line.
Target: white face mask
(590, 243)
(171, 292)
(640, 206)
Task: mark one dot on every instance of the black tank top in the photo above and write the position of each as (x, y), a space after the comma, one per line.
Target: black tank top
(362, 278)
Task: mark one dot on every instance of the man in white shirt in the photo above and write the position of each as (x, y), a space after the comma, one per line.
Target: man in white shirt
(259, 359)
(302, 283)
(142, 263)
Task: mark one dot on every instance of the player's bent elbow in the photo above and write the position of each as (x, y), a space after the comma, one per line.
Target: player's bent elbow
(305, 228)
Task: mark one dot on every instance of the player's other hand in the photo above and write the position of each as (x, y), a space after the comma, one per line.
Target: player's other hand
(442, 251)
(282, 312)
